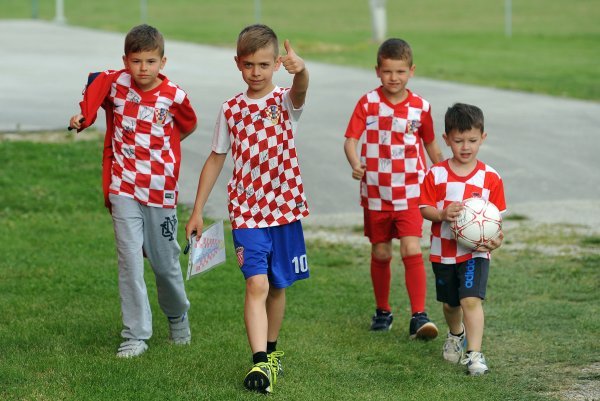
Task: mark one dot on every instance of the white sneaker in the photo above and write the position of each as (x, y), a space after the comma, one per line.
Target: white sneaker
(454, 347)
(476, 364)
(179, 330)
(132, 348)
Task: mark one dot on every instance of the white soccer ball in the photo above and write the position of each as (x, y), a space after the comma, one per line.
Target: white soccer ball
(479, 222)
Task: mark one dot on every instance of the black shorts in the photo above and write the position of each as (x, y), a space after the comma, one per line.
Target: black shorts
(454, 282)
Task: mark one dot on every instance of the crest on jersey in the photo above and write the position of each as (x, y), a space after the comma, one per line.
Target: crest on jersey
(273, 113)
(160, 115)
(239, 252)
(413, 125)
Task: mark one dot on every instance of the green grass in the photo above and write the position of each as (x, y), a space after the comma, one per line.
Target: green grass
(554, 49)
(60, 320)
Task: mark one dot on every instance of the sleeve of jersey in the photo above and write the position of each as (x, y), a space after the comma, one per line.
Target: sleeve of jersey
(289, 106)
(357, 124)
(427, 196)
(427, 131)
(185, 116)
(221, 142)
(97, 88)
(497, 194)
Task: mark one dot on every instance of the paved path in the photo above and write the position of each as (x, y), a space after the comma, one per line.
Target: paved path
(544, 147)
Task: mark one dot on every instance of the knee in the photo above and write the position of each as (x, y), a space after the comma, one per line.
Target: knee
(470, 303)
(257, 285)
(381, 252)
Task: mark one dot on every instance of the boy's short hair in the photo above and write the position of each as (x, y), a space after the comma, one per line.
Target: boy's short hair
(463, 117)
(144, 38)
(255, 37)
(395, 49)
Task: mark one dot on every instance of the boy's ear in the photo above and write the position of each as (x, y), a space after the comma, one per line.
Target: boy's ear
(377, 71)
(277, 62)
(446, 139)
(412, 70)
(125, 61)
(483, 136)
(237, 62)
(163, 61)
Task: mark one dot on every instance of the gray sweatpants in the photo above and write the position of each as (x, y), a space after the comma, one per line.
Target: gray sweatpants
(155, 230)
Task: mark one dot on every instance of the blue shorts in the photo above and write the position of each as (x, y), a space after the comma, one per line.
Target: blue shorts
(279, 252)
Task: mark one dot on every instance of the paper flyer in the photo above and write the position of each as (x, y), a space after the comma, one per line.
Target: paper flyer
(208, 252)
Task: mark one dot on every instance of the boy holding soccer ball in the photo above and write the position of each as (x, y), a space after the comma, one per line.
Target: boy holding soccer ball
(396, 127)
(461, 274)
(266, 195)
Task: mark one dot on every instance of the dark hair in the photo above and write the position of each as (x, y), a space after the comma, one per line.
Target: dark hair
(395, 49)
(144, 38)
(255, 37)
(463, 117)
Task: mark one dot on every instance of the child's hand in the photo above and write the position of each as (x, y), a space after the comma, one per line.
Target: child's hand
(358, 171)
(75, 121)
(493, 244)
(291, 61)
(451, 212)
(194, 226)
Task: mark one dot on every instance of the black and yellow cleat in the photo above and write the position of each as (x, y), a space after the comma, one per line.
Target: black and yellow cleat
(259, 378)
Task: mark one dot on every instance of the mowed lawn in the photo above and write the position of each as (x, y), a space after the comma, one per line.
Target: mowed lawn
(554, 47)
(60, 320)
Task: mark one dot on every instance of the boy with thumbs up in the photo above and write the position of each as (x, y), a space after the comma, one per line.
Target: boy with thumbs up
(266, 195)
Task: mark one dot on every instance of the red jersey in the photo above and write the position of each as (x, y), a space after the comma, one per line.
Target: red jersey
(142, 146)
(266, 188)
(392, 149)
(442, 187)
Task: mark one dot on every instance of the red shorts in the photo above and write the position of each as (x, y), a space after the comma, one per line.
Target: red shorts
(385, 226)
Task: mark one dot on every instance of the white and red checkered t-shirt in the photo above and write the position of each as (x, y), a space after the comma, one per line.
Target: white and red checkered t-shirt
(442, 187)
(145, 128)
(266, 188)
(392, 149)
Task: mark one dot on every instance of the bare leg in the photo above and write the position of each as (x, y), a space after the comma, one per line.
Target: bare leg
(275, 312)
(255, 312)
(454, 317)
(474, 322)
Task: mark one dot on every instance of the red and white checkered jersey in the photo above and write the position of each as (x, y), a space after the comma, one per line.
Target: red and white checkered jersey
(392, 149)
(442, 187)
(266, 188)
(146, 125)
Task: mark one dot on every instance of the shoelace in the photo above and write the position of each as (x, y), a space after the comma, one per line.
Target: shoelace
(275, 363)
(454, 344)
(474, 357)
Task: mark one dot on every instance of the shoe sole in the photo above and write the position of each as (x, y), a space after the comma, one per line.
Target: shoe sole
(428, 331)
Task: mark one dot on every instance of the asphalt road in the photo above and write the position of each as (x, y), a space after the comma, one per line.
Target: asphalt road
(545, 148)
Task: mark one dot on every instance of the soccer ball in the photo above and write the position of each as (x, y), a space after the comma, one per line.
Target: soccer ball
(478, 223)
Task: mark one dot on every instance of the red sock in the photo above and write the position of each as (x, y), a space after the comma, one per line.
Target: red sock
(381, 277)
(416, 285)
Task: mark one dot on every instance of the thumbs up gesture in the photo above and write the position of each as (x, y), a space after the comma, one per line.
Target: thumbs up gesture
(291, 61)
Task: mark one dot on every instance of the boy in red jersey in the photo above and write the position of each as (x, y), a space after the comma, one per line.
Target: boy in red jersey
(461, 274)
(395, 125)
(146, 118)
(266, 195)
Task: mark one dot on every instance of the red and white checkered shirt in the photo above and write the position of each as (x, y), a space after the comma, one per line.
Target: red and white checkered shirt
(442, 187)
(266, 188)
(392, 149)
(145, 127)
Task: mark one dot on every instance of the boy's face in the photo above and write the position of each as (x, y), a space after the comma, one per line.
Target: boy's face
(144, 67)
(257, 71)
(394, 76)
(465, 145)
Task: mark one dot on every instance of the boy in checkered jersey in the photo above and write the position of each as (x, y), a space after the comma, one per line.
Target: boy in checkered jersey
(395, 126)
(147, 116)
(461, 274)
(266, 195)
